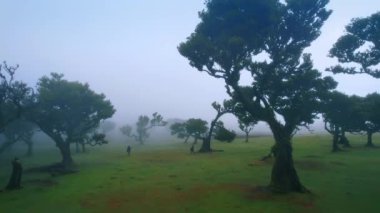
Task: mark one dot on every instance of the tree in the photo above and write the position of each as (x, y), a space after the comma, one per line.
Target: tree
(246, 123)
(341, 114)
(371, 116)
(227, 107)
(15, 96)
(285, 90)
(179, 129)
(358, 50)
(193, 127)
(143, 125)
(19, 130)
(67, 111)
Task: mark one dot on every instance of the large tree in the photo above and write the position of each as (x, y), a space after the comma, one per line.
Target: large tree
(285, 90)
(68, 110)
(358, 50)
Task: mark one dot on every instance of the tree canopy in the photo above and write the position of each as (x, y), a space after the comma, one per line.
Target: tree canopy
(67, 110)
(285, 90)
(358, 50)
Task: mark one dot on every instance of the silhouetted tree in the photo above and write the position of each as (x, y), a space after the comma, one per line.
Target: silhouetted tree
(246, 123)
(227, 107)
(179, 129)
(358, 50)
(143, 125)
(230, 38)
(67, 110)
(15, 96)
(371, 116)
(19, 130)
(341, 114)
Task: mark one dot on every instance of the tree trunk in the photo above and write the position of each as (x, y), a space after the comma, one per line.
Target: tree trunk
(343, 140)
(369, 139)
(83, 147)
(77, 147)
(206, 145)
(15, 179)
(186, 139)
(29, 152)
(284, 176)
(246, 137)
(67, 161)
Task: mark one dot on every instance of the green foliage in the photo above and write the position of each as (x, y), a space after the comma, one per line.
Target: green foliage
(18, 130)
(229, 40)
(68, 111)
(360, 45)
(224, 135)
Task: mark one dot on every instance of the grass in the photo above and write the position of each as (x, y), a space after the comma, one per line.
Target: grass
(166, 178)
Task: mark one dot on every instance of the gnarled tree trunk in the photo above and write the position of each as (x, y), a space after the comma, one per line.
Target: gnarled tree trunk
(67, 160)
(284, 175)
(343, 140)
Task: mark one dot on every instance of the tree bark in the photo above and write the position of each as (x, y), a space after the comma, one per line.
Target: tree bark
(29, 152)
(369, 139)
(246, 137)
(206, 145)
(343, 140)
(284, 176)
(335, 146)
(15, 179)
(67, 160)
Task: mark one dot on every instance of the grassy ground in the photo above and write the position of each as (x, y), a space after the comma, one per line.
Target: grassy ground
(166, 178)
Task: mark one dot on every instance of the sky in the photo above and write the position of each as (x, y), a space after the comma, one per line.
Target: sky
(128, 51)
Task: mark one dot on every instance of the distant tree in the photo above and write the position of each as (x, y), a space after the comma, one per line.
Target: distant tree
(67, 111)
(143, 125)
(223, 134)
(229, 40)
(358, 50)
(15, 96)
(196, 128)
(371, 116)
(227, 107)
(341, 114)
(179, 129)
(246, 122)
(19, 130)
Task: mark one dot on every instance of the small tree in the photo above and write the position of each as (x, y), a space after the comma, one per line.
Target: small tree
(143, 125)
(246, 123)
(371, 116)
(179, 129)
(68, 111)
(228, 107)
(341, 114)
(15, 96)
(19, 130)
(358, 50)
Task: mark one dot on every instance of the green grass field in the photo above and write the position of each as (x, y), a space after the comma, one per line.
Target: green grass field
(166, 178)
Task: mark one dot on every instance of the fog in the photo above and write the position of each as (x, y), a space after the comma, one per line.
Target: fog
(128, 51)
